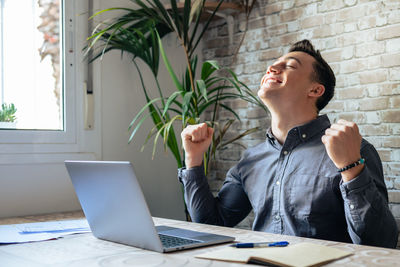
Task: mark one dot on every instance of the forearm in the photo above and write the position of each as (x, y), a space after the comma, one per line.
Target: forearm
(200, 202)
(227, 209)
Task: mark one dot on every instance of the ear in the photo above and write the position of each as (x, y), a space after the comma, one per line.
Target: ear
(316, 90)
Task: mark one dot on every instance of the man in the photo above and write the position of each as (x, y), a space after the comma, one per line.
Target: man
(309, 178)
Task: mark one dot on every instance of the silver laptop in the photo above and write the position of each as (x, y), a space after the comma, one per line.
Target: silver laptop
(116, 209)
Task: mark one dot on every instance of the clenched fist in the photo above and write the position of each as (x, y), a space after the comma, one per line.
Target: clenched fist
(196, 139)
(343, 142)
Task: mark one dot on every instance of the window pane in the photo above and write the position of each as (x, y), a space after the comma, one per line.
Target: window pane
(31, 63)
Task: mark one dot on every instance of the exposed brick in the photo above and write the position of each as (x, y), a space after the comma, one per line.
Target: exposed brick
(395, 128)
(391, 4)
(397, 183)
(330, 18)
(394, 17)
(304, 2)
(391, 116)
(273, 19)
(334, 106)
(395, 209)
(391, 60)
(395, 101)
(293, 26)
(393, 45)
(273, 8)
(290, 38)
(368, 77)
(351, 106)
(373, 130)
(254, 113)
(347, 80)
(291, 14)
(350, 2)
(391, 141)
(368, 49)
(312, 21)
(277, 29)
(374, 103)
(353, 66)
(257, 23)
(254, 68)
(347, 39)
(353, 116)
(394, 196)
(383, 89)
(330, 5)
(217, 42)
(390, 31)
(353, 12)
(394, 74)
(270, 54)
(332, 56)
(395, 156)
(350, 26)
(372, 117)
(385, 156)
(350, 93)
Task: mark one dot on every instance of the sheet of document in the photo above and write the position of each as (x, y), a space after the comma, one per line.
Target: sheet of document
(29, 232)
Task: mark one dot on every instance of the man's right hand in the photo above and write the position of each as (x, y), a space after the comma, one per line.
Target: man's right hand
(196, 139)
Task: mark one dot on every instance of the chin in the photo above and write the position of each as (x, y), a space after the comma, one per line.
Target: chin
(266, 91)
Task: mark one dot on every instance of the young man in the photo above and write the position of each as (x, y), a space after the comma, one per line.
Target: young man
(309, 178)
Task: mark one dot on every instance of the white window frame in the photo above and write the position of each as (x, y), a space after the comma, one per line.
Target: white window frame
(74, 142)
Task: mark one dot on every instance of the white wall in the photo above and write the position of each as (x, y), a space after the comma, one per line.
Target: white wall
(122, 98)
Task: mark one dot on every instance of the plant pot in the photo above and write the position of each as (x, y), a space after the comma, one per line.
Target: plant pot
(8, 125)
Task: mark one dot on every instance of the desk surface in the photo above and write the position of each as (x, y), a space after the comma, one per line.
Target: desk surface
(86, 250)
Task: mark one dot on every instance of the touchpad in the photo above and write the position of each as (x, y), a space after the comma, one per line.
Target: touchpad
(182, 233)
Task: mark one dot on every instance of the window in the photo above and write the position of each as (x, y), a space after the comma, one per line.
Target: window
(44, 78)
(31, 64)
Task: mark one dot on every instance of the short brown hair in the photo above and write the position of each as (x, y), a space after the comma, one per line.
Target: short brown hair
(323, 73)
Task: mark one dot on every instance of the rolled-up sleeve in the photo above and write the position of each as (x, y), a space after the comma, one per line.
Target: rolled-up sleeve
(227, 209)
(369, 219)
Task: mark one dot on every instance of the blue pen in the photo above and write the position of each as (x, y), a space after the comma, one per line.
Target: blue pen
(260, 244)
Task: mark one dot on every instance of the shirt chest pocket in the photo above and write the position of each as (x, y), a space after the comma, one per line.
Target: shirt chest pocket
(311, 194)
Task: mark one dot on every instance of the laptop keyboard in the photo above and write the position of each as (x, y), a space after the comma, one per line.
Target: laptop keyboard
(173, 241)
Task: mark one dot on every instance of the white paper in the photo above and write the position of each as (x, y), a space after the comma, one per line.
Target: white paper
(28, 232)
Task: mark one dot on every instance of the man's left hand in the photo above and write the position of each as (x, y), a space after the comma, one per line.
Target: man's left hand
(343, 142)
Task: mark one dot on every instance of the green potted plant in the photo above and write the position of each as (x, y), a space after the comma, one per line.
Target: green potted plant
(139, 32)
(7, 116)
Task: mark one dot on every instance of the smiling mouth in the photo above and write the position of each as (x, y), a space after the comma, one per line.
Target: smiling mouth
(273, 80)
(266, 80)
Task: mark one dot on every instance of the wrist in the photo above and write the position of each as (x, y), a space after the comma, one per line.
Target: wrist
(192, 162)
(351, 173)
(352, 170)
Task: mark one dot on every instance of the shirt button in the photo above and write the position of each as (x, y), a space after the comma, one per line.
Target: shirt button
(285, 152)
(277, 217)
(352, 207)
(278, 183)
(304, 135)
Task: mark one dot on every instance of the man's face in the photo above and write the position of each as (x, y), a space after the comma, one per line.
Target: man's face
(288, 80)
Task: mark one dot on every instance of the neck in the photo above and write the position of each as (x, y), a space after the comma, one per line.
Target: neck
(284, 120)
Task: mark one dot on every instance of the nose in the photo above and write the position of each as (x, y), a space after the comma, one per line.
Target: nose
(274, 68)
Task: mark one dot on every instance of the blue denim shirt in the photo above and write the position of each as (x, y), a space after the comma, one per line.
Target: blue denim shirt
(295, 189)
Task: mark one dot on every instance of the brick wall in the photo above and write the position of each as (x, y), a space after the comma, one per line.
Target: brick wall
(361, 41)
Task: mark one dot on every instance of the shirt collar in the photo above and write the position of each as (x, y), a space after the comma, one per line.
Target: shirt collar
(305, 131)
(310, 129)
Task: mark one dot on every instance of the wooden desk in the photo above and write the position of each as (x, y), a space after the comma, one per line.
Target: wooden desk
(86, 250)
